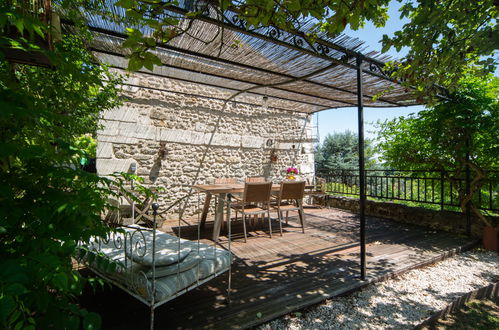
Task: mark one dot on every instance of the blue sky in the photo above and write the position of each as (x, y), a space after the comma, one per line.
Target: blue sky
(340, 120)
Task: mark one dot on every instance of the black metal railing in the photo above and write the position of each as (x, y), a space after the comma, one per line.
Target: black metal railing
(428, 187)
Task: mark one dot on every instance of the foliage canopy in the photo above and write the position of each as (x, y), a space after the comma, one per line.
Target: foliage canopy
(449, 136)
(47, 204)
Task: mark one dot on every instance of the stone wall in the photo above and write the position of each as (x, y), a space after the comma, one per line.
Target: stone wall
(442, 220)
(180, 134)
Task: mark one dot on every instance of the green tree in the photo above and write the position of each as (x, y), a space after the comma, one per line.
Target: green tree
(440, 137)
(47, 204)
(445, 37)
(341, 151)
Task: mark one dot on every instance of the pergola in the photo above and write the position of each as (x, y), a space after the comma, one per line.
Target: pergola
(219, 50)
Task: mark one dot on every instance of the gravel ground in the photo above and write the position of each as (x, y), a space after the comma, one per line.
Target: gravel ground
(399, 303)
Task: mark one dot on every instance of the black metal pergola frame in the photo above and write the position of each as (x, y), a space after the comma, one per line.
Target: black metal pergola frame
(290, 80)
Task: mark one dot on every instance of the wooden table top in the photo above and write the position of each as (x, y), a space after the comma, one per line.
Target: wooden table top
(226, 188)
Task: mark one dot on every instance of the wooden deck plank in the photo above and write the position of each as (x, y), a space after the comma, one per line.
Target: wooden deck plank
(283, 274)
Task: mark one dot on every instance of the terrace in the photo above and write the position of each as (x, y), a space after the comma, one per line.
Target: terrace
(273, 277)
(215, 85)
(339, 251)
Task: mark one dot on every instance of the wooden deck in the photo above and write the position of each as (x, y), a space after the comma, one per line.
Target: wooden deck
(272, 277)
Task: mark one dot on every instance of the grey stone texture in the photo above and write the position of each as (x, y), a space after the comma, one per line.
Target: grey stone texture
(204, 137)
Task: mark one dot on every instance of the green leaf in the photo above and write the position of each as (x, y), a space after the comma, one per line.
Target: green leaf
(125, 3)
(148, 65)
(60, 281)
(19, 325)
(19, 23)
(7, 305)
(135, 64)
(39, 31)
(15, 289)
(92, 321)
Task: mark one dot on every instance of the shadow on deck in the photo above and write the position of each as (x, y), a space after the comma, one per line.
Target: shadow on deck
(272, 277)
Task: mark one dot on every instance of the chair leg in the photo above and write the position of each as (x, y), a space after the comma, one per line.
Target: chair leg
(244, 227)
(279, 217)
(270, 224)
(287, 215)
(302, 218)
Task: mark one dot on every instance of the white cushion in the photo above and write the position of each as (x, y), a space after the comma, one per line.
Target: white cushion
(167, 249)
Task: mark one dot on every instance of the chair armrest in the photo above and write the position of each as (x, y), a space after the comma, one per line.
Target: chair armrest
(236, 198)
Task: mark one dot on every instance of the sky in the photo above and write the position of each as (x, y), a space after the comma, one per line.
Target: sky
(340, 120)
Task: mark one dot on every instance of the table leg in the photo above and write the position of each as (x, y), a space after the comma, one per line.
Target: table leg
(206, 208)
(219, 216)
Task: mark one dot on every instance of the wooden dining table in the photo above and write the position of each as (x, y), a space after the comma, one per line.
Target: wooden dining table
(223, 192)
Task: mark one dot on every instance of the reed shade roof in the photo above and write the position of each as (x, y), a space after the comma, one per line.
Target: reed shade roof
(293, 74)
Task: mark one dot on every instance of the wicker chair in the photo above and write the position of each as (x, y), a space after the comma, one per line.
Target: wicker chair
(317, 191)
(255, 179)
(290, 198)
(225, 180)
(255, 202)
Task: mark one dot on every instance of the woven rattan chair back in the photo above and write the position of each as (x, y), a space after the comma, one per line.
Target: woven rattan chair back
(257, 192)
(225, 180)
(292, 190)
(255, 179)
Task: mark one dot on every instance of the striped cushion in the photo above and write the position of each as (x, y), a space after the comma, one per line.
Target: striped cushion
(200, 262)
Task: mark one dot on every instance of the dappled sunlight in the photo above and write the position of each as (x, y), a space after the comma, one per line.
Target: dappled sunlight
(273, 277)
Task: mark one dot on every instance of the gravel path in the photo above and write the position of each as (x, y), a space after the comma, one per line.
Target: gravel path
(400, 303)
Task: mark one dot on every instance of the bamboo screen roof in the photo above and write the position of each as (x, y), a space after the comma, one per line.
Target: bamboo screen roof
(265, 62)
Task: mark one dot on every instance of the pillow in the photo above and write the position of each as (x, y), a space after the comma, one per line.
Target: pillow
(167, 248)
(164, 256)
(189, 262)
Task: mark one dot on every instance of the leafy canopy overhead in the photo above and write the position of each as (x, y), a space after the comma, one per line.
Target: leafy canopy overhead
(445, 37)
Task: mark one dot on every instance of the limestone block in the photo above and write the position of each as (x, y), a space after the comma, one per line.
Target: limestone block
(110, 166)
(109, 127)
(125, 113)
(143, 118)
(137, 131)
(104, 150)
(180, 136)
(116, 139)
(226, 140)
(252, 142)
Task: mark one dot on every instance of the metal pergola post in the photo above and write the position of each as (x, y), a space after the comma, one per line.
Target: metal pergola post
(362, 200)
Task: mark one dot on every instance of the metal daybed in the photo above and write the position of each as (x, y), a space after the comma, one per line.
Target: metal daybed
(153, 266)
